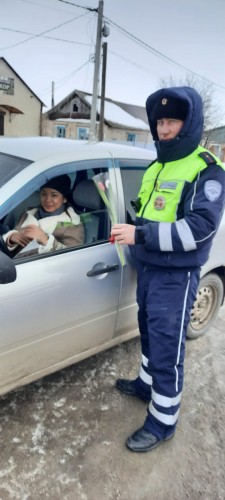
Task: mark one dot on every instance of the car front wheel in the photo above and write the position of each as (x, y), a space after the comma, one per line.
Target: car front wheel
(206, 306)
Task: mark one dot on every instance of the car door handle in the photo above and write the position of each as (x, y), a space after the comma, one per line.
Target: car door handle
(103, 270)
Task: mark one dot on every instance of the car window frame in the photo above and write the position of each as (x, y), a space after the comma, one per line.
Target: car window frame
(125, 164)
(39, 179)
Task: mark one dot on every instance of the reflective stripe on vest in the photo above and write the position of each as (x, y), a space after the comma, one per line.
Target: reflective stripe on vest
(162, 186)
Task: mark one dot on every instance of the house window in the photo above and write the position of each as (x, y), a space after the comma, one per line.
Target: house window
(83, 134)
(60, 131)
(75, 108)
(131, 137)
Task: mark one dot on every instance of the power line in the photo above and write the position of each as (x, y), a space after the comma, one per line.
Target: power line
(66, 78)
(81, 6)
(60, 83)
(125, 32)
(43, 36)
(43, 32)
(160, 54)
(129, 61)
(149, 47)
(31, 2)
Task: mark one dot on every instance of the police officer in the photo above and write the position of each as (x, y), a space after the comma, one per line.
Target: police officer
(180, 205)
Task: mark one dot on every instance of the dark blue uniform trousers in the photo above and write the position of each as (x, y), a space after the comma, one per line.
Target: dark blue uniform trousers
(165, 298)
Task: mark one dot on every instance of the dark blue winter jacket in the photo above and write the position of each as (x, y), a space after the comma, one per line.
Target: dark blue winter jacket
(182, 195)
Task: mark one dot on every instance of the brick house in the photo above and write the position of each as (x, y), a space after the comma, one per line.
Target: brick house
(20, 108)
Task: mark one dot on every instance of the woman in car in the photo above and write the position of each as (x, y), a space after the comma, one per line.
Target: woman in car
(53, 225)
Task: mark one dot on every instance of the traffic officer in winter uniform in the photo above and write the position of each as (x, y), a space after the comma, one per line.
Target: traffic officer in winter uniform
(179, 208)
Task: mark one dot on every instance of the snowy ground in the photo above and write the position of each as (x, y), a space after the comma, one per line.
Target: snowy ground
(63, 437)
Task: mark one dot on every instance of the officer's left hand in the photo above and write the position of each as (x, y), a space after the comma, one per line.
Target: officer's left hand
(124, 234)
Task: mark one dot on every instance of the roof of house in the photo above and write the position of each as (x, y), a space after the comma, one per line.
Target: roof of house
(132, 109)
(18, 76)
(115, 113)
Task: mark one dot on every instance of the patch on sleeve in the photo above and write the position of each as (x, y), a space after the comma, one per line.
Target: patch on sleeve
(212, 190)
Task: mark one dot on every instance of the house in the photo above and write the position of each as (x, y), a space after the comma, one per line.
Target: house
(20, 108)
(122, 122)
(214, 140)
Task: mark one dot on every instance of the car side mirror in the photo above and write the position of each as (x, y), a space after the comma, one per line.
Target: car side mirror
(7, 269)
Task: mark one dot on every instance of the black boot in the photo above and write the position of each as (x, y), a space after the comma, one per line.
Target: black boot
(143, 440)
(129, 387)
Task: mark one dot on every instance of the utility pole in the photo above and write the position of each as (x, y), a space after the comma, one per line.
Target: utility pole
(53, 94)
(102, 107)
(92, 135)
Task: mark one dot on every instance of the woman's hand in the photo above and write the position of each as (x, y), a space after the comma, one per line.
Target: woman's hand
(18, 238)
(33, 232)
(124, 234)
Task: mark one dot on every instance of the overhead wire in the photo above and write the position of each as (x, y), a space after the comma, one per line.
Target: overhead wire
(45, 5)
(129, 61)
(44, 36)
(122, 30)
(43, 32)
(76, 5)
(159, 54)
(150, 48)
(60, 83)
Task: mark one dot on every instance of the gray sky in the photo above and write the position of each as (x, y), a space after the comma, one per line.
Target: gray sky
(59, 41)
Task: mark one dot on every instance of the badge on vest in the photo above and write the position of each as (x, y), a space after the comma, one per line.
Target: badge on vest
(168, 185)
(212, 190)
(159, 203)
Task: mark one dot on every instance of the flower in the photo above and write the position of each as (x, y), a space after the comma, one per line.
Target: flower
(101, 186)
(105, 190)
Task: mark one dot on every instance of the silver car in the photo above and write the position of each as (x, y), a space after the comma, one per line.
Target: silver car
(61, 307)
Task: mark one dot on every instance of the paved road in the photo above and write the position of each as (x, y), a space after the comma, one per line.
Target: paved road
(62, 438)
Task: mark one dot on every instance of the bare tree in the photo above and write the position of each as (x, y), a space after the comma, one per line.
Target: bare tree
(212, 112)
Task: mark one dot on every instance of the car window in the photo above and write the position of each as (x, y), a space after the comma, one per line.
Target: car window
(132, 172)
(10, 166)
(88, 215)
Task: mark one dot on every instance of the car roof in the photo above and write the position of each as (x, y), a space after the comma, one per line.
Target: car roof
(37, 148)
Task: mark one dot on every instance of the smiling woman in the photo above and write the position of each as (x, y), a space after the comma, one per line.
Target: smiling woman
(53, 225)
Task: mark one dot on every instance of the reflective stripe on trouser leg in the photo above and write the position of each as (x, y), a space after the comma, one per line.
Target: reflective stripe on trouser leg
(143, 372)
(145, 378)
(168, 303)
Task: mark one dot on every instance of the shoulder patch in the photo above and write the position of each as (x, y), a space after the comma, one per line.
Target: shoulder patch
(207, 157)
(212, 190)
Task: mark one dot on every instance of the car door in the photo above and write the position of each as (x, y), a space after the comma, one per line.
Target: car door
(63, 306)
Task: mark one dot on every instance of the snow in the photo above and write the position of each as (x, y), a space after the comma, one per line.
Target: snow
(115, 114)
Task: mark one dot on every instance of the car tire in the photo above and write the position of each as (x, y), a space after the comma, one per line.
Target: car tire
(206, 306)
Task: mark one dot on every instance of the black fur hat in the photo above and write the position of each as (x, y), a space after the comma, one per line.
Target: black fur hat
(169, 107)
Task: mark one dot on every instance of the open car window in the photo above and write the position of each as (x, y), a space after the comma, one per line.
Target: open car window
(84, 200)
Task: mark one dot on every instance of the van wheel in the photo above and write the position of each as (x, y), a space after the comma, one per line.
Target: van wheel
(206, 306)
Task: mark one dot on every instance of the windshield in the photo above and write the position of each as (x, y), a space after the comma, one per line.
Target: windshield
(10, 166)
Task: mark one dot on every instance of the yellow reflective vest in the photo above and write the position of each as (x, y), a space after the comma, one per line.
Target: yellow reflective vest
(163, 185)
